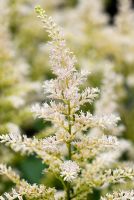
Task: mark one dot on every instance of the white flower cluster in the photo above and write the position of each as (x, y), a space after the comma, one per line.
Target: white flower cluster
(12, 175)
(99, 176)
(17, 142)
(11, 196)
(108, 102)
(90, 147)
(69, 170)
(121, 195)
(24, 188)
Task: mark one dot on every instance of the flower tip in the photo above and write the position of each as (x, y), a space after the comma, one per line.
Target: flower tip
(38, 9)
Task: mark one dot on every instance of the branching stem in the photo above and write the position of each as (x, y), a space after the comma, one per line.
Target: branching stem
(69, 148)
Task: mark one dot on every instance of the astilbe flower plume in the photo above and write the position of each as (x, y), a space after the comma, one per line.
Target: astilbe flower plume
(72, 167)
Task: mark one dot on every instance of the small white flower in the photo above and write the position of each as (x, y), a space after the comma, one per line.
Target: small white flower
(69, 170)
(59, 195)
(51, 144)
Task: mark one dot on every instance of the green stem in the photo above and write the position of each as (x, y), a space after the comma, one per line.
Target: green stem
(69, 130)
(69, 151)
(69, 148)
(80, 192)
(68, 191)
(61, 180)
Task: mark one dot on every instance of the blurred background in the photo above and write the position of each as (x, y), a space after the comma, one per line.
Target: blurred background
(99, 32)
